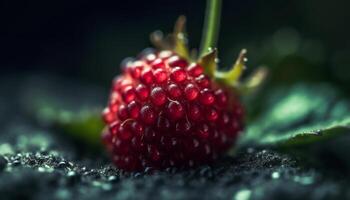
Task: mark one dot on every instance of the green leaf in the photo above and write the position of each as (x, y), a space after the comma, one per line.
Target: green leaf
(300, 118)
(298, 112)
(301, 109)
(71, 108)
(85, 126)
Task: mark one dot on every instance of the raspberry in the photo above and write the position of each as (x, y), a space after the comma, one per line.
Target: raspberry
(166, 112)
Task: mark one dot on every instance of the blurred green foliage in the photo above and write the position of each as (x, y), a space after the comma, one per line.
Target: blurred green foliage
(307, 120)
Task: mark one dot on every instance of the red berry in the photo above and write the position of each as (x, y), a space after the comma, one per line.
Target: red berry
(147, 76)
(191, 92)
(123, 113)
(134, 109)
(160, 75)
(158, 63)
(137, 128)
(221, 97)
(194, 112)
(174, 91)
(203, 81)
(195, 70)
(211, 114)
(178, 75)
(128, 94)
(108, 116)
(163, 113)
(124, 132)
(175, 110)
(136, 69)
(142, 92)
(148, 114)
(206, 97)
(176, 61)
(158, 96)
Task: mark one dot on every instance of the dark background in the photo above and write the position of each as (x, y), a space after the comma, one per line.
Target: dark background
(299, 40)
(58, 58)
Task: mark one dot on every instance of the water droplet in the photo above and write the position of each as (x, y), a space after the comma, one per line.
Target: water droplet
(41, 169)
(112, 179)
(243, 195)
(275, 175)
(71, 173)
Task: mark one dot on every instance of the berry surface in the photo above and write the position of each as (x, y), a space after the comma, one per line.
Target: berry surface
(165, 112)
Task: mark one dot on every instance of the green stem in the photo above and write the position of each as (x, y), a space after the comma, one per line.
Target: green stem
(211, 26)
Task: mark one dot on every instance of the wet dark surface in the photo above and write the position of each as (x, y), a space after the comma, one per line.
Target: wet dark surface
(39, 163)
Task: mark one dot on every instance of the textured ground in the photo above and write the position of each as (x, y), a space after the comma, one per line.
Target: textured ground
(40, 163)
